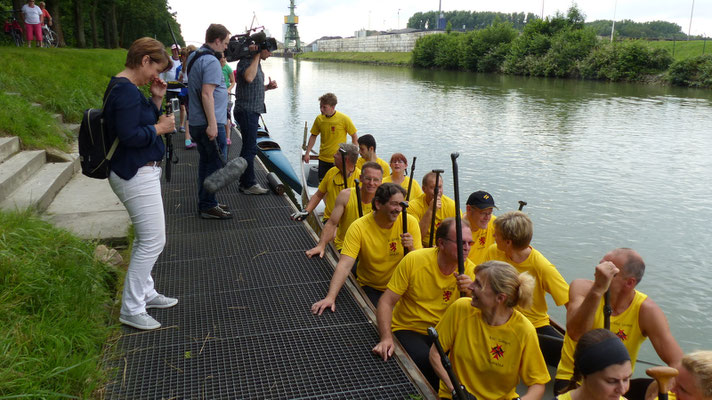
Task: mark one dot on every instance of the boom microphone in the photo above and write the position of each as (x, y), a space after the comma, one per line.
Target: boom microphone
(230, 172)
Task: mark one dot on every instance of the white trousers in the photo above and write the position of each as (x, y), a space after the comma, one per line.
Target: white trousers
(141, 196)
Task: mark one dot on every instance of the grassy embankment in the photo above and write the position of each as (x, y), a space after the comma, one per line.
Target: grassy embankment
(55, 300)
(684, 49)
(63, 81)
(387, 58)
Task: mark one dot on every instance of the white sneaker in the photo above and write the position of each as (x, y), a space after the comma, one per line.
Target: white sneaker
(140, 321)
(254, 189)
(161, 301)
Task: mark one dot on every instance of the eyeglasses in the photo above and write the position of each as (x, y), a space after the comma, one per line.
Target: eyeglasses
(470, 243)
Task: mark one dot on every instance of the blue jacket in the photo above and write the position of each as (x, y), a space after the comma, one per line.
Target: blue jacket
(129, 115)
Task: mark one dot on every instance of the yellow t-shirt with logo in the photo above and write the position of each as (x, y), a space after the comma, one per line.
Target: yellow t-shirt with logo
(333, 131)
(332, 184)
(379, 250)
(348, 217)
(548, 280)
(384, 165)
(567, 396)
(483, 238)
(415, 189)
(490, 360)
(418, 207)
(624, 325)
(425, 292)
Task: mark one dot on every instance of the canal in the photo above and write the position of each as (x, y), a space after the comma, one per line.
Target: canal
(601, 165)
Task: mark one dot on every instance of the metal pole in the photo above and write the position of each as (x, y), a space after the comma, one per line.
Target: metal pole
(689, 29)
(542, 9)
(613, 26)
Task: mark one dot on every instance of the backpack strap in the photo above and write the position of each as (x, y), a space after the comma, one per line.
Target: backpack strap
(115, 144)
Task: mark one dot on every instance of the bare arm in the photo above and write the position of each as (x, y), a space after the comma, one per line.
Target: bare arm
(310, 144)
(439, 369)
(232, 83)
(314, 200)
(654, 325)
(584, 298)
(329, 231)
(206, 95)
(343, 268)
(534, 392)
(384, 316)
(251, 71)
(354, 140)
(426, 220)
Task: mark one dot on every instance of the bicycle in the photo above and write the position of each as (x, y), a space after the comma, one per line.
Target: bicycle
(49, 37)
(13, 28)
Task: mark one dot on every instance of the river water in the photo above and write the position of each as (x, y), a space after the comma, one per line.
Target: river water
(601, 165)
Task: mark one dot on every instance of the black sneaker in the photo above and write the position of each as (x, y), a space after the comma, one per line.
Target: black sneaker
(215, 213)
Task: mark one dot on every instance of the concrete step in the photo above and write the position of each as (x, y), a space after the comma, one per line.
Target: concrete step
(40, 189)
(18, 168)
(8, 146)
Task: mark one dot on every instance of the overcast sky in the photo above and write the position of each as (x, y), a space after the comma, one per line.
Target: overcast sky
(319, 18)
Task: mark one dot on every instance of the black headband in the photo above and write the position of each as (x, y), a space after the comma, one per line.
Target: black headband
(601, 355)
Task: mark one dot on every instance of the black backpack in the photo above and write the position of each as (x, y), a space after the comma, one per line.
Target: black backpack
(95, 148)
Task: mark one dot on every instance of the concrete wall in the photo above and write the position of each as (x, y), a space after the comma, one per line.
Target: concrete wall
(399, 42)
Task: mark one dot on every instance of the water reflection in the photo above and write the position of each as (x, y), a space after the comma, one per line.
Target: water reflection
(602, 165)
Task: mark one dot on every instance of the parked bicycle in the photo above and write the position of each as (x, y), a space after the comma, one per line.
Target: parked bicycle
(13, 28)
(49, 37)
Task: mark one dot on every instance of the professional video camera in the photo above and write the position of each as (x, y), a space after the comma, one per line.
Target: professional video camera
(239, 45)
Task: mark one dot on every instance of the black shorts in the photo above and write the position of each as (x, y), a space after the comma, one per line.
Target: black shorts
(183, 100)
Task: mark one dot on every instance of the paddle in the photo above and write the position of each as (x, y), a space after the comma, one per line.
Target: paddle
(607, 310)
(435, 204)
(460, 393)
(522, 203)
(404, 208)
(410, 182)
(304, 139)
(357, 187)
(458, 217)
(662, 376)
(343, 166)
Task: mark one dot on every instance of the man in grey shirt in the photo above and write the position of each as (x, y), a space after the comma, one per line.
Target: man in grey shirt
(207, 103)
(249, 104)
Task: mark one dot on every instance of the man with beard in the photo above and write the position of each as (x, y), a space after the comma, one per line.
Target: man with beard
(378, 240)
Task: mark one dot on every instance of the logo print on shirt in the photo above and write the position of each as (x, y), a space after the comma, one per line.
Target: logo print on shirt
(392, 247)
(333, 129)
(447, 294)
(621, 334)
(482, 240)
(497, 352)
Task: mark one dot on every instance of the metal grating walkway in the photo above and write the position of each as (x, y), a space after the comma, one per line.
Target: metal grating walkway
(242, 328)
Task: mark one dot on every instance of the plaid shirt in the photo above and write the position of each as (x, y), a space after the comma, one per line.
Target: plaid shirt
(250, 96)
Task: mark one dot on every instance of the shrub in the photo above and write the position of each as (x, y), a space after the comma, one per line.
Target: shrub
(692, 72)
(485, 50)
(628, 60)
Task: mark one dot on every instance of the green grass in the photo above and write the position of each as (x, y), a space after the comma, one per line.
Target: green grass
(55, 306)
(391, 58)
(63, 81)
(684, 49)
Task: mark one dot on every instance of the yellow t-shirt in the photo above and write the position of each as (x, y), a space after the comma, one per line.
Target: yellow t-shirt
(425, 292)
(418, 206)
(483, 238)
(567, 396)
(490, 360)
(624, 325)
(348, 217)
(380, 250)
(384, 165)
(332, 184)
(333, 131)
(415, 189)
(548, 279)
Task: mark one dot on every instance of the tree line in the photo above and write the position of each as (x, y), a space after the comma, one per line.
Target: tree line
(476, 20)
(110, 23)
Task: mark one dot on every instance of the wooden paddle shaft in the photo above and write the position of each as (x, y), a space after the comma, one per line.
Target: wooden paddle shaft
(435, 204)
(662, 376)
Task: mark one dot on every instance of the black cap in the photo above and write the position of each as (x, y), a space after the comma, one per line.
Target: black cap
(481, 200)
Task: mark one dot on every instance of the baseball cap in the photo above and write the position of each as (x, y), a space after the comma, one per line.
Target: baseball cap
(481, 200)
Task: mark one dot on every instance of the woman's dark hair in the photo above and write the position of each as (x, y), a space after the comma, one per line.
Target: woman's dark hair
(147, 46)
(588, 340)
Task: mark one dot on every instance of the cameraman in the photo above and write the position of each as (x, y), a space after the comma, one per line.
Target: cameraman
(249, 104)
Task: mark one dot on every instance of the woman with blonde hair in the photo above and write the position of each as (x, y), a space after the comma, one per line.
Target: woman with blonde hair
(492, 346)
(135, 174)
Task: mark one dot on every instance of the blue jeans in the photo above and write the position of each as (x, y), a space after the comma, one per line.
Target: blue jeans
(209, 161)
(248, 122)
